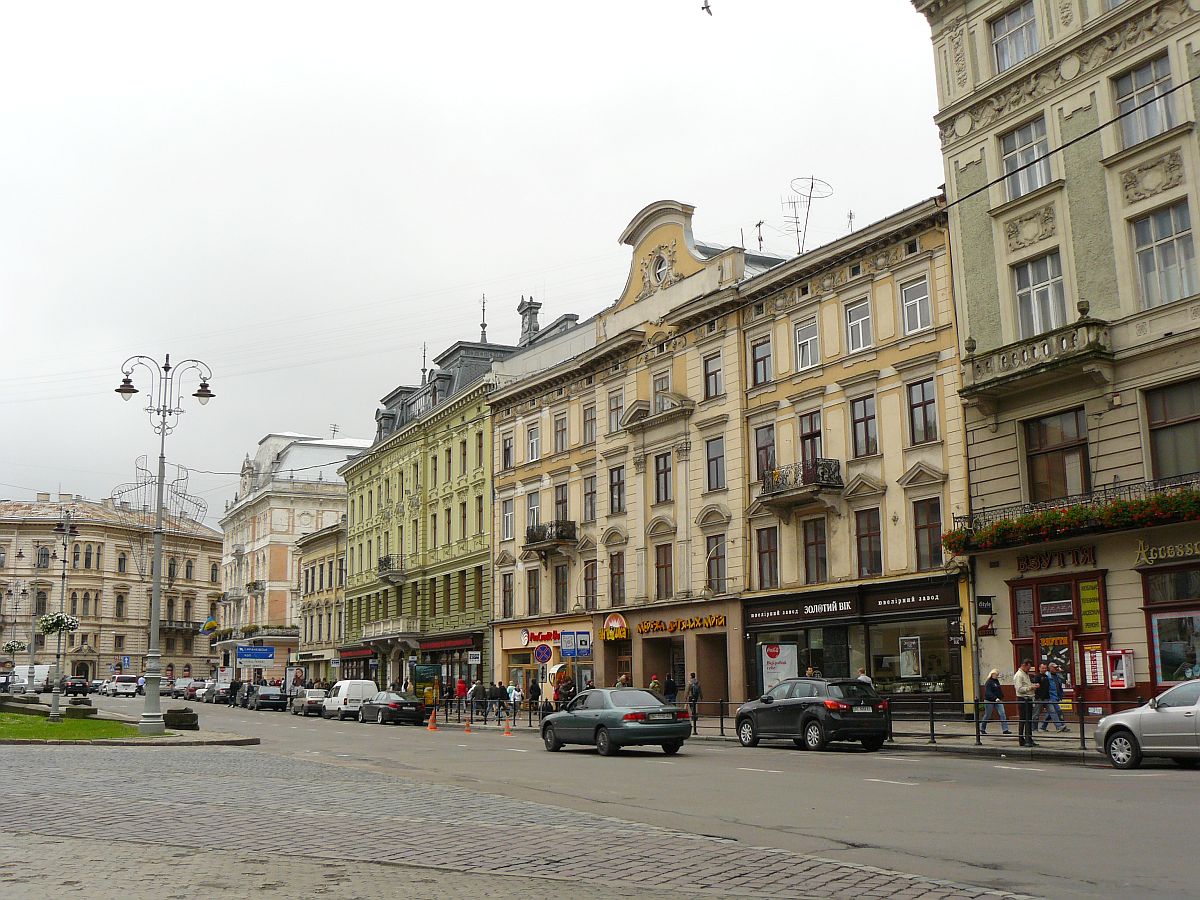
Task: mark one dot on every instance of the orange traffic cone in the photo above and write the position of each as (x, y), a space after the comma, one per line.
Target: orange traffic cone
(507, 727)
(433, 720)
(467, 727)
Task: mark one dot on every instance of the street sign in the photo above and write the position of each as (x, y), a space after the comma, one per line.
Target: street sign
(566, 644)
(111, 668)
(255, 652)
(125, 663)
(542, 653)
(335, 663)
(583, 643)
(474, 657)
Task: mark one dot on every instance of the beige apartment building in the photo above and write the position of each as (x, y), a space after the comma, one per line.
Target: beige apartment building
(322, 561)
(1069, 141)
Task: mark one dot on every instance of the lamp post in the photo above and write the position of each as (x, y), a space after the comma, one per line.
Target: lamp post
(164, 408)
(15, 601)
(65, 530)
(707, 592)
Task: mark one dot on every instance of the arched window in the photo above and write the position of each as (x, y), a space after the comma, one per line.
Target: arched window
(187, 610)
(41, 601)
(43, 558)
(120, 606)
(122, 562)
(98, 549)
(212, 573)
(172, 566)
(170, 607)
(75, 557)
(74, 603)
(87, 557)
(87, 603)
(187, 570)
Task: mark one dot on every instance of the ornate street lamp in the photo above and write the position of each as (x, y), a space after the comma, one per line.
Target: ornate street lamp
(65, 531)
(163, 405)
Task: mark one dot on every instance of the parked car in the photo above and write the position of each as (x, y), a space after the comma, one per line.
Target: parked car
(179, 687)
(76, 685)
(345, 697)
(267, 697)
(123, 686)
(308, 702)
(612, 718)
(195, 690)
(1165, 727)
(393, 707)
(215, 693)
(95, 686)
(813, 712)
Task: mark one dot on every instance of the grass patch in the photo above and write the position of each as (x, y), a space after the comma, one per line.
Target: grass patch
(21, 726)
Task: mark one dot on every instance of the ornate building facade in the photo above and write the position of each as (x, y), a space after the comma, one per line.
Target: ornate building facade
(322, 560)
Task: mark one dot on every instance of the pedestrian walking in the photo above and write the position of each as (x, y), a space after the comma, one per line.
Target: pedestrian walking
(460, 693)
(567, 691)
(622, 681)
(1024, 687)
(535, 695)
(477, 698)
(1054, 694)
(496, 696)
(693, 695)
(810, 672)
(670, 690)
(655, 684)
(234, 687)
(515, 698)
(864, 677)
(993, 701)
(1041, 692)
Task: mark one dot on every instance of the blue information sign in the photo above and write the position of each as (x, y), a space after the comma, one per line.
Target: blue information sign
(566, 644)
(255, 653)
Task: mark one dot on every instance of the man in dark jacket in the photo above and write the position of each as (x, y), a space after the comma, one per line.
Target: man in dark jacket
(535, 694)
(231, 694)
(1041, 692)
(670, 689)
(993, 701)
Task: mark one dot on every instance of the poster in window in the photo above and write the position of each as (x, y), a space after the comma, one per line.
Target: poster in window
(1089, 607)
(1023, 604)
(1056, 648)
(910, 657)
(1176, 645)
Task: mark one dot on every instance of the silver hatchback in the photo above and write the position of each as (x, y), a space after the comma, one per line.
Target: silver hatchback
(1166, 727)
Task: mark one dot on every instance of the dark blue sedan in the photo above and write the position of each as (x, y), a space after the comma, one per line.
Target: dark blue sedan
(612, 718)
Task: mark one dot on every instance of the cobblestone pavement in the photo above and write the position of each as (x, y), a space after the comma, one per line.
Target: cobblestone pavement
(297, 815)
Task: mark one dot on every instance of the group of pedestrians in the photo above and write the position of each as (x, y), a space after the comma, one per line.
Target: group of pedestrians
(488, 700)
(1039, 701)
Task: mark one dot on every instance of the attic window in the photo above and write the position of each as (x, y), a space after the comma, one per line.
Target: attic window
(856, 270)
(804, 289)
(760, 308)
(590, 380)
(561, 391)
(532, 404)
(661, 348)
(711, 327)
(911, 247)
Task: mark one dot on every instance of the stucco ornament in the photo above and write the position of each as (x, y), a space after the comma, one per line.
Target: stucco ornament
(958, 50)
(1030, 228)
(658, 269)
(1153, 177)
(1066, 12)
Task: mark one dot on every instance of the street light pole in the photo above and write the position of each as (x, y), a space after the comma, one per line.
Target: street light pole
(164, 409)
(66, 531)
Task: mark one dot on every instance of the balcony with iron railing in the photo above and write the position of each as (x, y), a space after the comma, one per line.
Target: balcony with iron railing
(801, 485)
(1116, 507)
(390, 568)
(179, 625)
(255, 587)
(547, 538)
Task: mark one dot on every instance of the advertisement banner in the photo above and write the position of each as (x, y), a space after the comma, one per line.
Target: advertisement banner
(910, 657)
(779, 661)
(293, 679)
(426, 681)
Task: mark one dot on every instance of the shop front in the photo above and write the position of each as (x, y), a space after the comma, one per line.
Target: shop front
(316, 665)
(455, 656)
(529, 654)
(907, 635)
(356, 663)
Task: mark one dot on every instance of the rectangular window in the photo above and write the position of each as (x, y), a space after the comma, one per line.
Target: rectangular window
(449, 455)
(1174, 416)
(449, 534)
(560, 433)
(616, 578)
(616, 490)
(533, 515)
(714, 455)
(479, 587)
(662, 478)
(478, 456)
(561, 602)
(810, 437)
(589, 498)
(858, 326)
(616, 409)
(712, 377)
(506, 452)
(433, 534)
(816, 565)
(479, 526)
(661, 389)
(1057, 458)
(1041, 301)
(914, 298)
(462, 457)
(1144, 94)
(1014, 36)
(760, 361)
(462, 520)
(118, 642)
(927, 525)
(664, 581)
(922, 412)
(714, 563)
(533, 436)
(1024, 154)
(507, 609)
(862, 417)
(506, 520)
(462, 591)
(1163, 248)
(560, 503)
(764, 449)
(589, 584)
(808, 353)
(533, 592)
(768, 557)
(868, 537)
(433, 470)
(589, 424)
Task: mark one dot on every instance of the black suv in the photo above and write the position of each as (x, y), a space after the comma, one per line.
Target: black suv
(813, 712)
(76, 685)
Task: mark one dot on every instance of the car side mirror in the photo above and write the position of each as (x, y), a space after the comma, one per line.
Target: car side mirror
(767, 698)
(1153, 703)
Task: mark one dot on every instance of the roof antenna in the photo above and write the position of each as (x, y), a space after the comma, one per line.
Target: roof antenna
(333, 430)
(483, 324)
(759, 225)
(850, 220)
(424, 369)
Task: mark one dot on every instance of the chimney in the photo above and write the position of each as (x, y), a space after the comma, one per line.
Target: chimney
(65, 498)
(43, 498)
(528, 311)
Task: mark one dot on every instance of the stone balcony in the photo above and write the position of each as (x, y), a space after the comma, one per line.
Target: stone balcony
(390, 568)
(179, 625)
(1081, 349)
(801, 486)
(396, 627)
(255, 587)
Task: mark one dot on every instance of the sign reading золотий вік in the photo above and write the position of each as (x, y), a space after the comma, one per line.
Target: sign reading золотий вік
(1148, 555)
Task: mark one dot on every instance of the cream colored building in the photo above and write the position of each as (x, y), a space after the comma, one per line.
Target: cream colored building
(322, 560)
(107, 586)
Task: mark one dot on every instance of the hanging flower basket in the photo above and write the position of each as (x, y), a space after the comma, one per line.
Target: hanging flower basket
(12, 648)
(56, 623)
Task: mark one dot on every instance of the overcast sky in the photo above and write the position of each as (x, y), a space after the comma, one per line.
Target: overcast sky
(302, 193)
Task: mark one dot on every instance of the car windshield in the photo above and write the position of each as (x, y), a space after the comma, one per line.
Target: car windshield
(853, 690)
(126, 679)
(314, 695)
(268, 692)
(633, 699)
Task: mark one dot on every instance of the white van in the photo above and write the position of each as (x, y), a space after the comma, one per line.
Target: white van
(123, 686)
(345, 698)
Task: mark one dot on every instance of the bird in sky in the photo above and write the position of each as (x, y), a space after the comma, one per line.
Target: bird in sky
(706, 7)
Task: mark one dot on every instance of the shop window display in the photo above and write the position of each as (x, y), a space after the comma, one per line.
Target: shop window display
(911, 657)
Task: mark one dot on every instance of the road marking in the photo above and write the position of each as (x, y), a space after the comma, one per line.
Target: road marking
(513, 750)
(907, 759)
(663, 762)
(1019, 768)
(1134, 774)
(462, 745)
(343, 755)
(767, 771)
(885, 781)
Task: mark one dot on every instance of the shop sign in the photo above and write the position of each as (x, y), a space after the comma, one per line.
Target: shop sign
(1055, 648)
(1093, 663)
(538, 637)
(1089, 607)
(448, 644)
(615, 628)
(475, 658)
(1057, 559)
(902, 599)
(1148, 555)
(656, 626)
(1056, 609)
(840, 607)
(985, 606)
(360, 653)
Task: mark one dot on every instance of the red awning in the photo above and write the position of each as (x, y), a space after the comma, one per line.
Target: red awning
(360, 653)
(448, 644)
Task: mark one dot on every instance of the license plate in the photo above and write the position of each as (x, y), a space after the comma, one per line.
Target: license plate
(661, 717)
(864, 709)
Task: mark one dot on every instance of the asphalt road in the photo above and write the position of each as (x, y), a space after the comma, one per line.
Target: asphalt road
(1040, 829)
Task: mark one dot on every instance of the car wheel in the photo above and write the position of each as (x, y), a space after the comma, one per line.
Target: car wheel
(1122, 750)
(872, 744)
(672, 747)
(814, 736)
(553, 744)
(747, 733)
(604, 744)
(1185, 762)
(362, 720)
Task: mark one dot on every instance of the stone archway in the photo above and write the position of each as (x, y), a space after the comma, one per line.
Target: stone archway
(82, 669)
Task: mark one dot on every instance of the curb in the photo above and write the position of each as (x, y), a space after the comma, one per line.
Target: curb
(133, 742)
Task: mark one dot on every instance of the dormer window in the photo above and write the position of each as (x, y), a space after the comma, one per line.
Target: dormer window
(661, 268)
